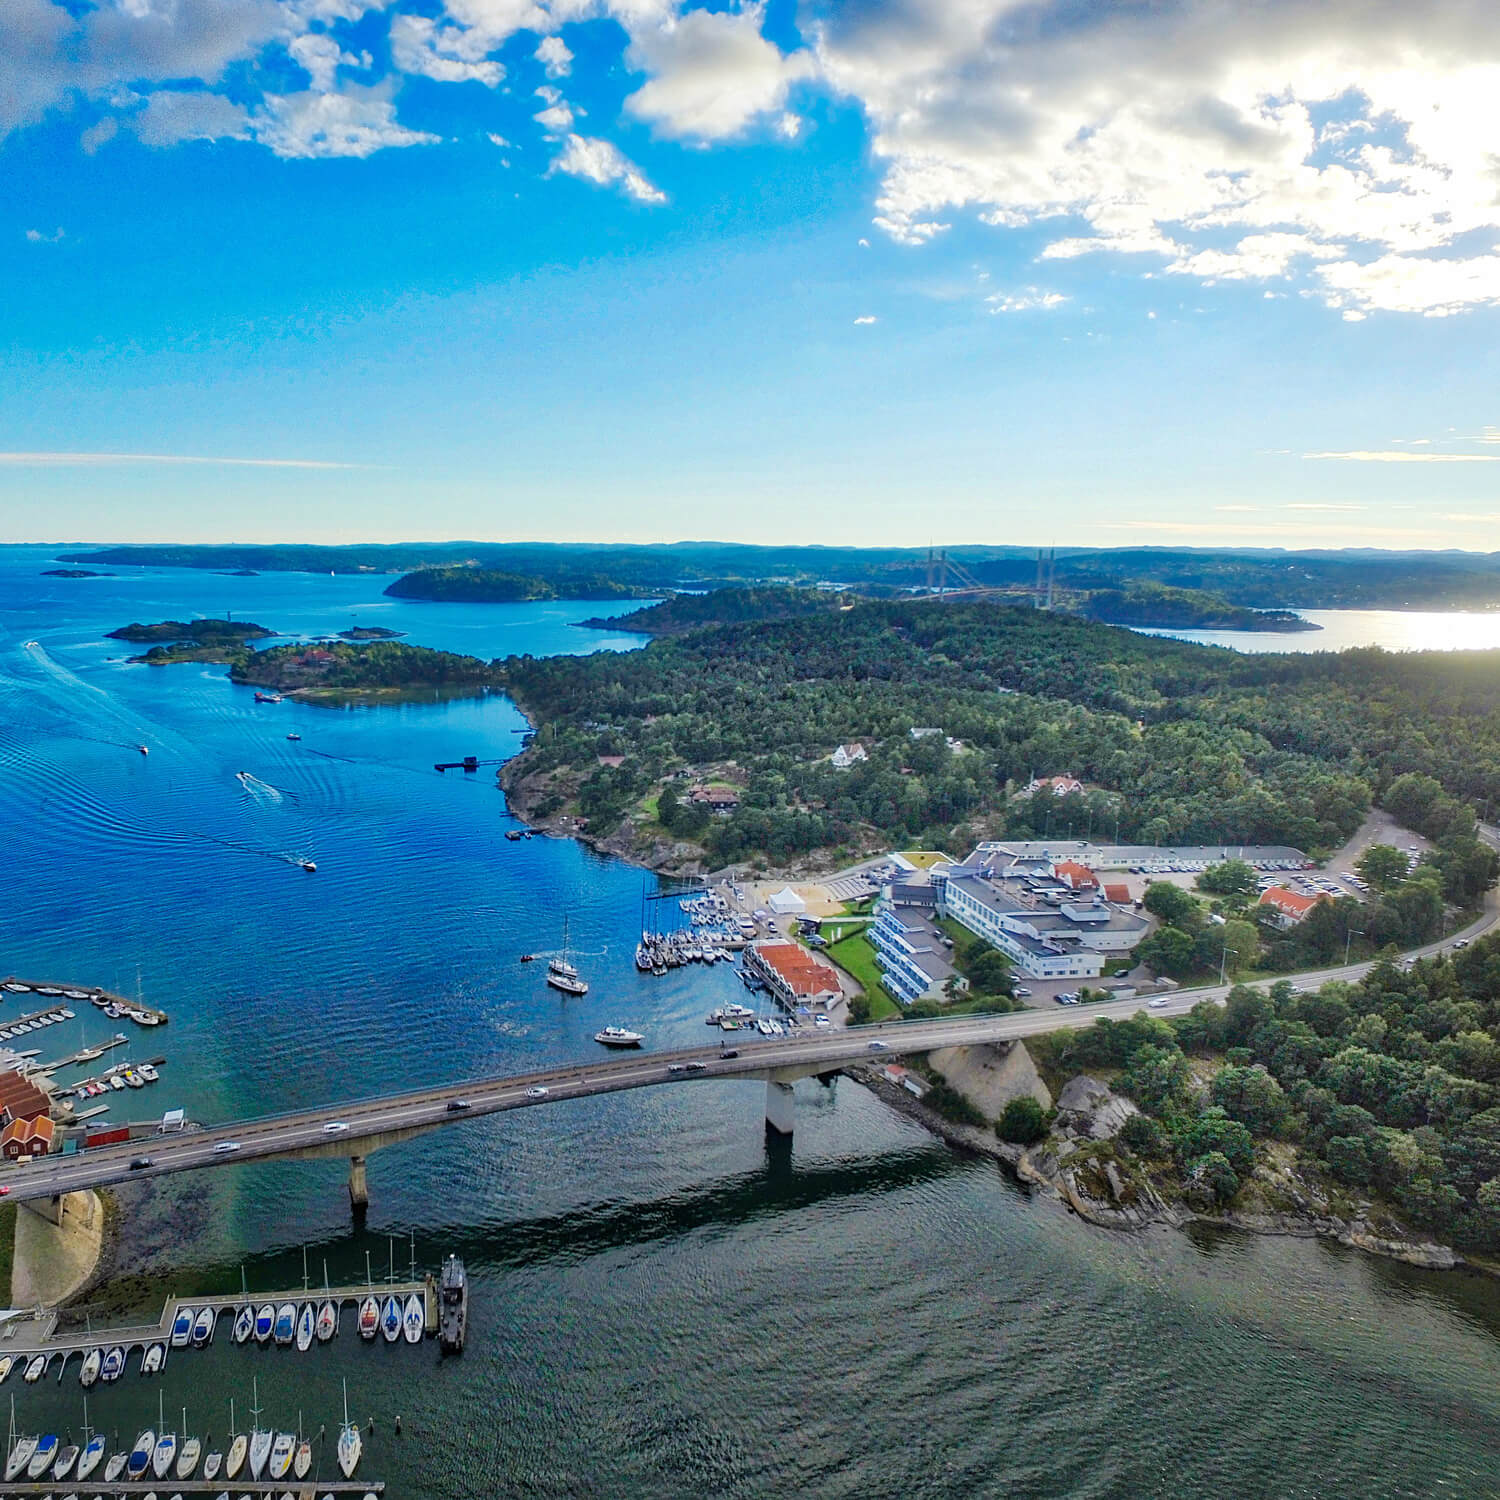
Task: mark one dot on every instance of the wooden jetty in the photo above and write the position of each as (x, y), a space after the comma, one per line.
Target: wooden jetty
(93, 993)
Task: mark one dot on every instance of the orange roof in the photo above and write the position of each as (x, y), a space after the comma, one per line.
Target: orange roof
(1119, 894)
(1074, 873)
(803, 974)
(1290, 902)
(21, 1097)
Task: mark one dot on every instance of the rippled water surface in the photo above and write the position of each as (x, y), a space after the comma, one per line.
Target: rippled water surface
(662, 1304)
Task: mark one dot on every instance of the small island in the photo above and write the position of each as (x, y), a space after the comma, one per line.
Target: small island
(211, 640)
(338, 672)
(74, 573)
(1155, 606)
(728, 606)
(467, 585)
(370, 633)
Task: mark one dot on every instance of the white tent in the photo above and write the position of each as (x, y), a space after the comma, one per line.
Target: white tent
(786, 901)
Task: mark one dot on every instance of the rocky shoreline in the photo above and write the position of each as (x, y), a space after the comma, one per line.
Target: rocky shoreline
(1038, 1168)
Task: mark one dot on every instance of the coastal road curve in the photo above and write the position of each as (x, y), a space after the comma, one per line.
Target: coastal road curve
(362, 1123)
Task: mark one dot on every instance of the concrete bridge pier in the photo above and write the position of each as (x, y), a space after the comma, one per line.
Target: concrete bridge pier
(781, 1107)
(50, 1209)
(359, 1185)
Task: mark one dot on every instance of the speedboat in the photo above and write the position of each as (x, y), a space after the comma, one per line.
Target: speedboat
(294, 736)
(203, 1327)
(163, 1454)
(528, 958)
(212, 1463)
(307, 1321)
(328, 1322)
(265, 1320)
(286, 1323)
(618, 1036)
(35, 1368)
(244, 1324)
(369, 1318)
(187, 1460)
(148, 1072)
(66, 1458)
(42, 1456)
(143, 749)
(309, 866)
(182, 1324)
(114, 1364)
(90, 1371)
(390, 1320)
(260, 1451)
(20, 1456)
(116, 1082)
(234, 1460)
(115, 1467)
(302, 1461)
(75, 995)
(7, 1364)
(281, 1455)
(414, 1320)
(92, 1456)
(268, 697)
(154, 1358)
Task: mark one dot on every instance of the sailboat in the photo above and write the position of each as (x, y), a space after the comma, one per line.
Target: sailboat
(19, 1450)
(281, 1455)
(239, 1444)
(302, 1458)
(306, 1324)
(390, 1320)
(286, 1323)
(369, 1318)
(350, 1442)
(414, 1319)
(265, 1319)
(140, 1455)
(328, 1322)
(187, 1460)
(166, 1444)
(260, 1440)
(93, 1454)
(561, 974)
(244, 1323)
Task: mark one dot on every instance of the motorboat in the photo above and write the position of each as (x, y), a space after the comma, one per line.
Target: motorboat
(294, 736)
(286, 1323)
(75, 995)
(182, 1323)
(115, 1467)
(453, 1305)
(15, 988)
(154, 1358)
(414, 1319)
(187, 1460)
(212, 1463)
(20, 1456)
(302, 1459)
(148, 1072)
(66, 1458)
(244, 1324)
(36, 1367)
(92, 1456)
(268, 697)
(281, 1455)
(116, 1082)
(163, 1454)
(265, 1320)
(390, 1320)
(203, 1327)
(7, 1364)
(307, 1322)
(42, 1456)
(328, 1322)
(618, 1036)
(114, 1364)
(369, 1318)
(528, 958)
(234, 1460)
(309, 866)
(349, 1444)
(90, 1371)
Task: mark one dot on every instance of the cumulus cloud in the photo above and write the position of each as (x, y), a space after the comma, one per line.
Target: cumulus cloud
(41, 237)
(867, 318)
(1031, 300)
(450, 54)
(357, 122)
(711, 73)
(603, 162)
(1347, 144)
(172, 116)
(553, 54)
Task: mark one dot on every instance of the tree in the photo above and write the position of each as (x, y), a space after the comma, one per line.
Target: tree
(1349, 1160)
(1231, 877)
(1383, 865)
(1241, 942)
(989, 973)
(1172, 904)
(1214, 1171)
(1169, 951)
(1023, 1121)
(1251, 1096)
(1156, 1078)
(1213, 1130)
(1144, 1136)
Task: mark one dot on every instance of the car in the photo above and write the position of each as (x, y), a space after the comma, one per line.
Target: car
(140, 1163)
(1156, 1004)
(697, 1067)
(458, 1106)
(677, 1067)
(729, 1052)
(1060, 999)
(878, 1046)
(821, 1021)
(223, 1148)
(1021, 992)
(536, 1091)
(335, 1127)
(5, 1191)
(1121, 974)
(1460, 944)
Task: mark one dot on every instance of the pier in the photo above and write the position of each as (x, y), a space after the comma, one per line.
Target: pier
(50, 989)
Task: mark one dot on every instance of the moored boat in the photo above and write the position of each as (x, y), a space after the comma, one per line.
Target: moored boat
(203, 1327)
(307, 1322)
(265, 1321)
(42, 1456)
(349, 1444)
(92, 1455)
(35, 1368)
(92, 1361)
(115, 1467)
(281, 1455)
(286, 1323)
(187, 1460)
(302, 1460)
(618, 1036)
(328, 1322)
(164, 1453)
(260, 1451)
(114, 1364)
(20, 1455)
(154, 1358)
(369, 1318)
(390, 1320)
(182, 1323)
(66, 1458)
(212, 1463)
(453, 1305)
(234, 1460)
(244, 1323)
(414, 1319)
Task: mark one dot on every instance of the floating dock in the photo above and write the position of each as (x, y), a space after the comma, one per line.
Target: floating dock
(50, 989)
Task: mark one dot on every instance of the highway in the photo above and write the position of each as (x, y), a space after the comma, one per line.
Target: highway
(351, 1128)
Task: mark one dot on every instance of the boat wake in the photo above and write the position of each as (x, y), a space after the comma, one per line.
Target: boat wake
(262, 791)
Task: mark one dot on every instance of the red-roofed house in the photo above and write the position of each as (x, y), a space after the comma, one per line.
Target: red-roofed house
(1119, 895)
(27, 1138)
(793, 974)
(1287, 907)
(1059, 786)
(1075, 876)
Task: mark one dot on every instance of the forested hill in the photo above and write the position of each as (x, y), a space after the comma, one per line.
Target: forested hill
(1178, 743)
(1161, 607)
(489, 586)
(732, 606)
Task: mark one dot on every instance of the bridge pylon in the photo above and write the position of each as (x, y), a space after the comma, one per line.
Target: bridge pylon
(781, 1107)
(359, 1184)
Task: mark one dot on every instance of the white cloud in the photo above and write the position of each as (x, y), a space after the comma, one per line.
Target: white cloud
(1346, 145)
(603, 162)
(553, 54)
(557, 118)
(1031, 300)
(450, 54)
(498, 140)
(867, 318)
(357, 122)
(41, 237)
(712, 73)
(98, 134)
(172, 116)
(92, 460)
(789, 126)
(1404, 456)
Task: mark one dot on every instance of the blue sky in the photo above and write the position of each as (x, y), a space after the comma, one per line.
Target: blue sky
(619, 269)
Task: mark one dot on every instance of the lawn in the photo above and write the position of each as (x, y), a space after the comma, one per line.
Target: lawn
(855, 955)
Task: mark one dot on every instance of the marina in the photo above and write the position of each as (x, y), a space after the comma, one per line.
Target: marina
(114, 1006)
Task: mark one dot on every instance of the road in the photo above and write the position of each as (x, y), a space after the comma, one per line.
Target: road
(359, 1125)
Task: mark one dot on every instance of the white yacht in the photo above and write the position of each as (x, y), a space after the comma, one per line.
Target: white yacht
(414, 1319)
(20, 1456)
(92, 1363)
(350, 1442)
(163, 1455)
(92, 1456)
(618, 1036)
(281, 1455)
(307, 1321)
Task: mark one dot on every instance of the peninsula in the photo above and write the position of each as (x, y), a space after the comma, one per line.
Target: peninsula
(491, 586)
(340, 671)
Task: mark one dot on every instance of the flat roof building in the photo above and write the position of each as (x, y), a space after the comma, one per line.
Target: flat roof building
(793, 975)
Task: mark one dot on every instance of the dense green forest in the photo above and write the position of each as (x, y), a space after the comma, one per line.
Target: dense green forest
(1391, 1087)
(1177, 743)
(490, 586)
(683, 612)
(1163, 607)
(345, 666)
(205, 630)
(1258, 578)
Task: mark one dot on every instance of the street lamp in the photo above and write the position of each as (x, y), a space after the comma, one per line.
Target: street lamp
(1224, 960)
(1350, 933)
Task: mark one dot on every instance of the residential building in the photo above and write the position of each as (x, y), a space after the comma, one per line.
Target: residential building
(28, 1138)
(719, 799)
(1117, 894)
(793, 975)
(1059, 786)
(912, 955)
(848, 755)
(21, 1099)
(1075, 876)
(1288, 908)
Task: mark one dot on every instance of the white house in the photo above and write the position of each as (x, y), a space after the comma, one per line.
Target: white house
(846, 755)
